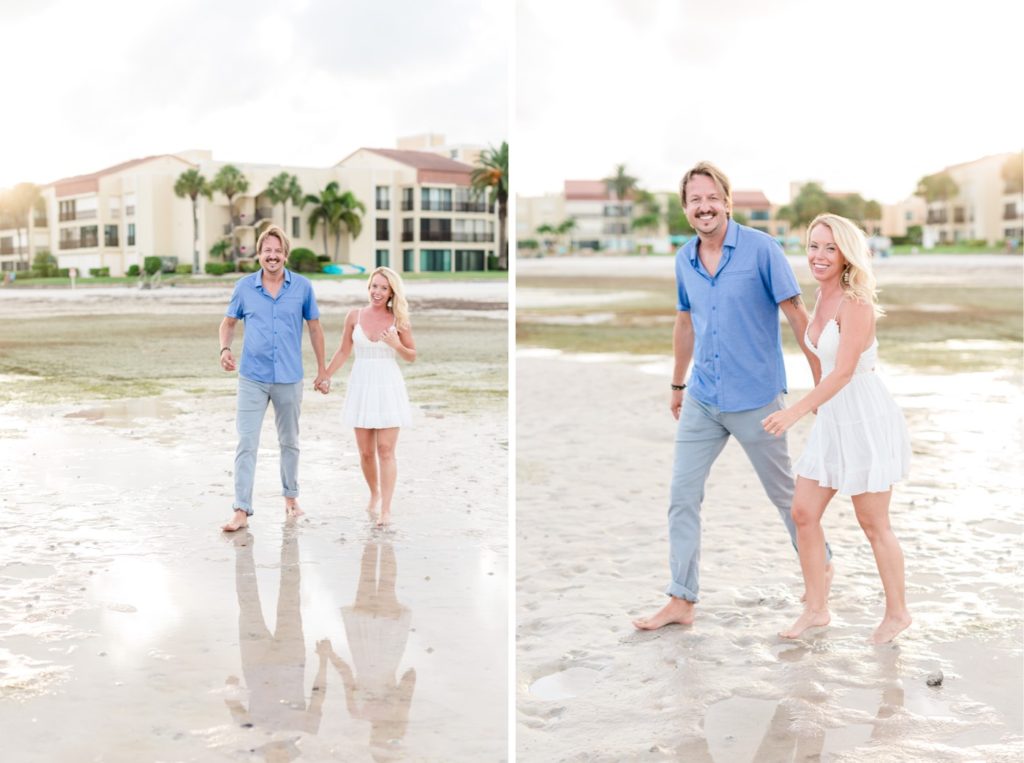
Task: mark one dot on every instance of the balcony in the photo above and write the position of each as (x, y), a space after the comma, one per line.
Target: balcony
(937, 217)
(408, 235)
(1010, 212)
(129, 211)
(436, 206)
(407, 205)
(434, 235)
(477, 238)
(471, 206)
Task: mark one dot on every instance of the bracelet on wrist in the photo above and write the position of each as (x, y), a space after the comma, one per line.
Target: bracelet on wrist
(679, 387)
(224, 349)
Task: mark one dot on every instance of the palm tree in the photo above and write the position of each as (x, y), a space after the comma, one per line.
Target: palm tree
(20, 203)
(230, 181)
(491, 173)
(335, 211)
(191, 183)
(283, 188)
(620, 183)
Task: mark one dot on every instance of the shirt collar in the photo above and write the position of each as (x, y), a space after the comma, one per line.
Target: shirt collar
(732, 234)
(257, 278)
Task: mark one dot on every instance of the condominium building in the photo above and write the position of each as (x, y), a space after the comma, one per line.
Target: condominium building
(421, 214)
(984, 208)
(424, 216)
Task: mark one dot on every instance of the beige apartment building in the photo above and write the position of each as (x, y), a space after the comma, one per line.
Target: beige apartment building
(421, 214)
(984, 208)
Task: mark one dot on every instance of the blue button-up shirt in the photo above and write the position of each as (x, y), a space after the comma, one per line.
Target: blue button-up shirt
(737, 352)
(272, 352)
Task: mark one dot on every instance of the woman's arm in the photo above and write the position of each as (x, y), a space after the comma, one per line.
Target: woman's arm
(344, 346)
(858, 328)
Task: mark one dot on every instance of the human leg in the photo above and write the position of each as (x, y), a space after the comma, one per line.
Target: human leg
(387, 465)
(873, 515)
(809, 503)
(366, 441)
(700, 438)
(253, 398)
(287, 408)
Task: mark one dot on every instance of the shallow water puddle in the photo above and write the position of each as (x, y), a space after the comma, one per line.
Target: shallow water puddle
(125, 412)
(564, 684)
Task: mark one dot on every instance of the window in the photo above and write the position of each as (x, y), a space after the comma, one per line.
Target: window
(296, 222)
(469, 259)
(476, 231)
(131, 234)
(67, 210)
(383, 231)
(759, 214)
(114, 207)
(383, 258)
(129, 204)
(89, 236)
(68, 238)
(85, 209)
(407, 197)
(408, 260)
(109, 235)
(470, 200)
(408, 229)
(434, 229)
(436, 199)
(436, 260)
(383, 197)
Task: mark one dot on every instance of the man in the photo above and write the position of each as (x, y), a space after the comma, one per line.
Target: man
(731, 282)
(273, 302)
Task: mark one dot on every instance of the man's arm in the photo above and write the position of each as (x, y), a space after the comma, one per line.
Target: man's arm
(682, 351)
(316, 338)
(227, 336)
(795, 312)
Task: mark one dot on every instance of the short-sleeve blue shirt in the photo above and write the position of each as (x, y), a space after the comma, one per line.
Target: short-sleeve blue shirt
(737, 352)
(272, 351)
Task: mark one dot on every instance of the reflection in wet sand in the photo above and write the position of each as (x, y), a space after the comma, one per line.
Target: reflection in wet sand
(377, 628)
(274, 663)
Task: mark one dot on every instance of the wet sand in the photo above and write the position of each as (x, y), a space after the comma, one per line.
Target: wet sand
(594, 455)
(132, 629)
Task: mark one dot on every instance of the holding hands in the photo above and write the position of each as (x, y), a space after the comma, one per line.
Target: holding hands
(322, 383)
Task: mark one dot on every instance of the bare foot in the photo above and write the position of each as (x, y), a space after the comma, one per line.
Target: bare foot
(890, 627)
(238, 522)
(291, 508)
(371, 507)
(830, 572)
(385, 518)
(809, 619)
(676, 611)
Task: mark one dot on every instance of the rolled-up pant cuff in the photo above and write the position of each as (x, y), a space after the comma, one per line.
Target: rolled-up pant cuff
(246, 509)
(681, 592)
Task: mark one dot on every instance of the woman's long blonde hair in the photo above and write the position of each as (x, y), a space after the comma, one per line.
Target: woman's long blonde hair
(858, 278)
(397, 304)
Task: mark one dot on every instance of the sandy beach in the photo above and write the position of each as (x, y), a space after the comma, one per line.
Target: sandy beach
(594, 445)
(132, 629)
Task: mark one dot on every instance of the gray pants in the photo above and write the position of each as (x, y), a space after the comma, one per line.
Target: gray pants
(253, 398)
(702, 433)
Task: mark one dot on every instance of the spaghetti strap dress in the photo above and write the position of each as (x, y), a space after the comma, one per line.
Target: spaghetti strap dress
(375, 397)
(859, 442)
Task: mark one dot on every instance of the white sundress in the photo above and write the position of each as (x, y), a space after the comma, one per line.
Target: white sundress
(375, 397)
(859, 442)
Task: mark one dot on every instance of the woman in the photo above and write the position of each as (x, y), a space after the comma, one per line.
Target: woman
(859, 445)
(376, 403)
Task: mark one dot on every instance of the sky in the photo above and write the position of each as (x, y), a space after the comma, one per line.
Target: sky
(865, 96)
(89, 85)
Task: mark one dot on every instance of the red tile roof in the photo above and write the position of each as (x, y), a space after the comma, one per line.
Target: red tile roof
(750, 199)
(586, 190)
(90, 182)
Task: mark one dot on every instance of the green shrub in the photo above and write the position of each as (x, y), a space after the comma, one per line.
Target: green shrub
(44, 263)
(492, 262)
(99, 272)
(152, 265)
(218, 268)
(62, 273)
(183, 269)
(133, 270)
(323, 259)
(249, 267)
(303, 261)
